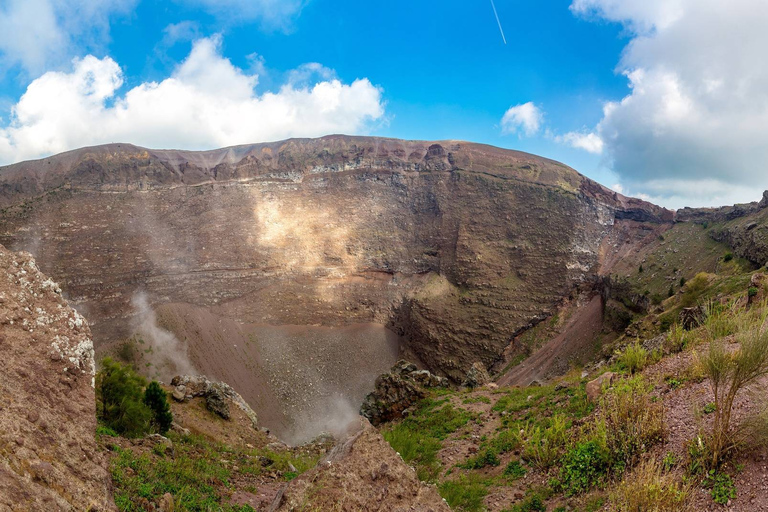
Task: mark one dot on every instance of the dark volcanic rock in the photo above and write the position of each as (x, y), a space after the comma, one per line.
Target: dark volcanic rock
(397, 391)
(48, 454)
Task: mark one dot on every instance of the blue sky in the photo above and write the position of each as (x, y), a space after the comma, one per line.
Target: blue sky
(610, 87)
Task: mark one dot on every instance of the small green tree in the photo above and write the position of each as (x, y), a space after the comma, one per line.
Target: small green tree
(731, 372)
(119, 393)
(157, 400)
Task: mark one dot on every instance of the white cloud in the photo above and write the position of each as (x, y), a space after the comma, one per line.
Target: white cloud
(589, 142)
(38, 34)
(526, 117)
(207, 102)
(693, 124)
(277, 14)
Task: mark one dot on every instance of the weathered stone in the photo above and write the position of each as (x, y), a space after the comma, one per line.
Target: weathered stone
(477, 376)
(215, 401)
(595, 387)
(397, 391)
(361, 474)
(166, 503)
(179, 393)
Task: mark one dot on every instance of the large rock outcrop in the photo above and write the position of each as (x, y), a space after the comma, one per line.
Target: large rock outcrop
(48, 455)
(363, 474)
(456, 246)
(397, 391)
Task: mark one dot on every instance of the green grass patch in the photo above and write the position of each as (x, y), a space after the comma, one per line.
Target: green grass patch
(465, 494)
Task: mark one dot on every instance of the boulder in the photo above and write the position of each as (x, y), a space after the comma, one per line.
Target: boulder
(398, 391)
(217, 395)
(477, 376)
(595, 387)
(216, 402)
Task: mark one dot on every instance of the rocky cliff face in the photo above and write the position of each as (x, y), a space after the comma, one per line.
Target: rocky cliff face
(744, 227)
(48, 454)
(456, 246)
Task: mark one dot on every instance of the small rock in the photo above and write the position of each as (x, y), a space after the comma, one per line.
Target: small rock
(595, 387)
(179, 393)
(166, 503)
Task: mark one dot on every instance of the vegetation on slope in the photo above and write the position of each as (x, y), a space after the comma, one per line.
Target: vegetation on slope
(640, 446)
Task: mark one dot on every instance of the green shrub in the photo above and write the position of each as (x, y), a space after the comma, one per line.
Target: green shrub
(534, 502)
(487, 457)
(633, 359)
(722, 487)
(682, 282)
(514, 470)
(728, 257)
(752, 291)
(157, 401)
(119, 394)
(583, 467)
(677, 339)
(730, 373)
(669, 462)
(419, 437)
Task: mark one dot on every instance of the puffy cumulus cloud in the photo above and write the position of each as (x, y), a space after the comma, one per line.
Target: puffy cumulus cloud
(207, 102)
(525, 118)
(691, 130)
(276, 14)
(38, 34)
(590, 142)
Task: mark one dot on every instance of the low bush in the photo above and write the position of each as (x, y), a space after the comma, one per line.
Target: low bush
(514, 470)
(583, 467)
(721, 487)
(487, 457)
(730, 373)
(119, 395)
(419, 437)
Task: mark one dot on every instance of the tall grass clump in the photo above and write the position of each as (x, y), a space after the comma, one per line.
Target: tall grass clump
(731, 372)
(629, 422)
(649, 488)
(633, 359)
(544, 446)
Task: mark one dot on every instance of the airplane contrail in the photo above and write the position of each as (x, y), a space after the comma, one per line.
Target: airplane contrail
(499, 22)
